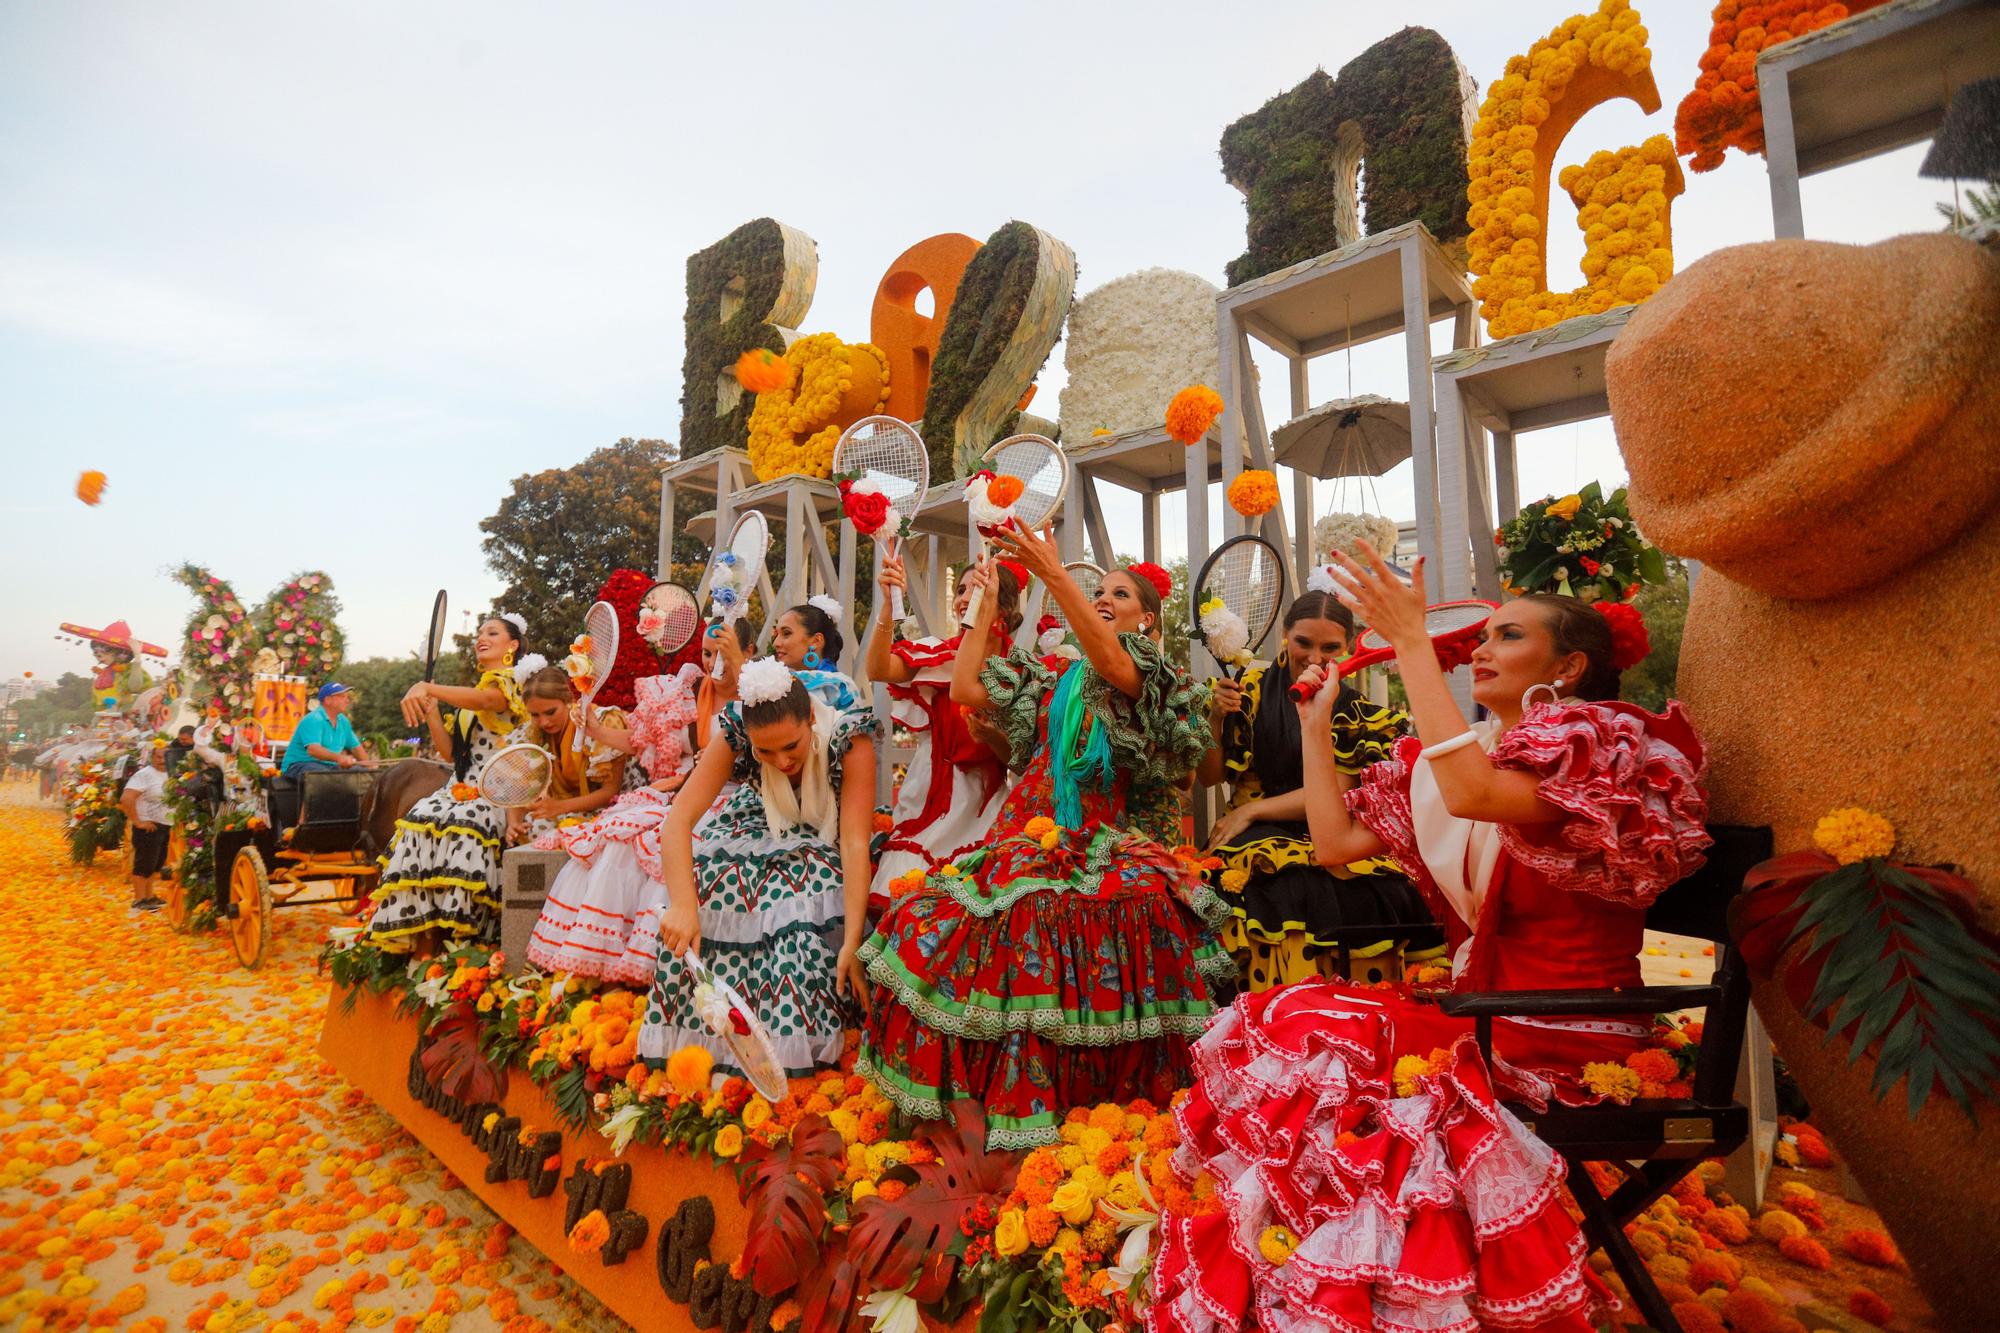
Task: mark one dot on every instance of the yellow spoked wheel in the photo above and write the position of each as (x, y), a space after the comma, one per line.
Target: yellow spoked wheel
(177, 845)
(250, 901)
(177, 905)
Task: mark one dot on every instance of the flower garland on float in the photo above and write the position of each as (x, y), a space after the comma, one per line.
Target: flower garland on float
(1582, 545)
(1725, 110)
(298, 625)
(795, 424)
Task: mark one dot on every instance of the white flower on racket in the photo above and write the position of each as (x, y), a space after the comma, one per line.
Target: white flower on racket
(576, 666)
(1224, 632)
(978, 502)
(1050, 640)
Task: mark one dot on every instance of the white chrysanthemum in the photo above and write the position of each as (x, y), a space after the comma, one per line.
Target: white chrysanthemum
(1131, 345)
(829, 605)
(1341, 532)
(1224, 632)
(763, 680)
(528, 666)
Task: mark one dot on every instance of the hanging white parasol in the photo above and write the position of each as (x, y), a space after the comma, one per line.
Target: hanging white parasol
(1348, 437)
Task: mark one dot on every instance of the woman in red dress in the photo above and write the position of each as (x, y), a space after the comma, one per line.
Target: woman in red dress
(1365, 1175)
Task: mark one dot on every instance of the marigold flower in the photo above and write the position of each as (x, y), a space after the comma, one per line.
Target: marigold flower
(1277, 1244)
(760, 370)
(1615, 1082)
(1003, 491)
(1852, 834)
(590, 1232)
(1191, 412)
(1254, 493)
(689, 1069)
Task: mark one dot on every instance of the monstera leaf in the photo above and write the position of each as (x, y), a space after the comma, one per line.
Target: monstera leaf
(784, 1188)
(830, 1297)
(892, 1241)
(452, 1059)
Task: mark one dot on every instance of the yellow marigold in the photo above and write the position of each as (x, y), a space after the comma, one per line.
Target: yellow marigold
(1410, 1069)
(1618, 1082)
(1254, 493)
(863, 1189)
(1277, 1244)
(1073, 1203)
(1853, 834)
(1233, 881)
(756, 1113)
(728, 1141)
(1775, 1224)
(689, 1069)
(1192, 411)
(1038, 826)
(1010, 1234)
(1565, 508)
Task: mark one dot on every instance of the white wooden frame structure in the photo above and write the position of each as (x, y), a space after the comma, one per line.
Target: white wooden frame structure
(1396, 281)
(1864, 86)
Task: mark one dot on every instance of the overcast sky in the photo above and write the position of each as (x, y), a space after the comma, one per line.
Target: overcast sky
(314, 283)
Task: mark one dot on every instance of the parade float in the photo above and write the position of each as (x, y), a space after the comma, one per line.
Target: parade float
(683, 1201)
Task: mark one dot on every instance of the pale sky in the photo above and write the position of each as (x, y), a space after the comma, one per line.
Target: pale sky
(312, 284)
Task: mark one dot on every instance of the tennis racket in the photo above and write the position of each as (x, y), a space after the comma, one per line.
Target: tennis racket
(1453, 627)
(888, 456)
(1043, 471)
(733, 575)
(435, 641)
(668, 618)
(1088, 578)
(600, 637)
(518, 775)
(1247, 577)
(733, 1020)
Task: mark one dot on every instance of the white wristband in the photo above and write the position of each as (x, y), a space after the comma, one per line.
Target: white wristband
(1458, 742)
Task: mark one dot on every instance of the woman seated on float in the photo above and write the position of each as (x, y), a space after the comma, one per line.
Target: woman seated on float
(1285, 907)
(774, 891)
(953, 785)
(586, 775)
(1063, 963)
(1320, 1110)
(442, 868)
(602, 915)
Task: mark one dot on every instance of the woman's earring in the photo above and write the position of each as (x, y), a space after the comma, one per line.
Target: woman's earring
(1528, 695)
(508, 660)
(1558, 686)
(813, 659)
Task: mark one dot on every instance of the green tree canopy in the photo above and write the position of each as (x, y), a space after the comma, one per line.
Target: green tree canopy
(44, 716)
(561, 532)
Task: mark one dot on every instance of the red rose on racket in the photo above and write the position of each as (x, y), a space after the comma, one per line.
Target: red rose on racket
(868, 509)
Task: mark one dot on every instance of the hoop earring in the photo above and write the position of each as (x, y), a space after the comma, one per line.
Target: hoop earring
(813, 660)
(508, 659)
(1528, 695)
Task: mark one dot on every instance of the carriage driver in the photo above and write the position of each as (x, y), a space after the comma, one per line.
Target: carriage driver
(325, 741)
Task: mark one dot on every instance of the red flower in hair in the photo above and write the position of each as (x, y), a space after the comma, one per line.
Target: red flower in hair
(1018, 570)
(1163, 582)
(1629, 641)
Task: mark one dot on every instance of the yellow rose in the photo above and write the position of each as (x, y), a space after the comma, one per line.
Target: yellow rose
(1565, 508)
(1010, 1234)
(1073, 1203)
(756, 1113)
(728, 1141)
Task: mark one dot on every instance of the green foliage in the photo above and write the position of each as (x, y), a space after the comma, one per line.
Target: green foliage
(68, 704)
(560, 532)
(1663, 606)
(379, 684)
(1980, 206)
(992, 298)
(1404, 98)
(747, 269)
(1596, 551)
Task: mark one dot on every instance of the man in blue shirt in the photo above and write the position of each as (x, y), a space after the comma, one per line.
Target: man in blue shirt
(325, 741)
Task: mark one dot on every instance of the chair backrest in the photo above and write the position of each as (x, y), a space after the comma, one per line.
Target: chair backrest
(1699, 906)
(330, 807)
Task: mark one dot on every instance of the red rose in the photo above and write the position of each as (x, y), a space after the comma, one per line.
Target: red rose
(868, 509)
(1589, 566)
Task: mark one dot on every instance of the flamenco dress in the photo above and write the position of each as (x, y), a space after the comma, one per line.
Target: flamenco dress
(442, 867)
(952, 788)
(1069, 961)
(1285, 909)
(587, 923)
(1415, 1200)
(773, 901)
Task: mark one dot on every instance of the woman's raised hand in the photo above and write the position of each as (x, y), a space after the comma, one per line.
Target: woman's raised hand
(891, 577)
(1037, 552)
(413, 703)
(1317, 711)
(1370, 589)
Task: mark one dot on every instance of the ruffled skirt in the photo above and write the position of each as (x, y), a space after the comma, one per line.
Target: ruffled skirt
(601, 918)
(1037, 981)
(1340, 1207)
(962, 827)
(772, 913)
(442, 869)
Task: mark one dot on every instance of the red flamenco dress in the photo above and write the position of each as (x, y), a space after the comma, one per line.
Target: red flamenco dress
(1354, 1196)
(1066, 962)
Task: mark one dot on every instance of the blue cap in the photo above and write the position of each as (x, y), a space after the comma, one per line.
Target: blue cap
(331, 688)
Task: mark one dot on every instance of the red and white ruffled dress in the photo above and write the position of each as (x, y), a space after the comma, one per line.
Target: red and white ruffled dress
(1436, 1212)
(601, 918)
(952, 788)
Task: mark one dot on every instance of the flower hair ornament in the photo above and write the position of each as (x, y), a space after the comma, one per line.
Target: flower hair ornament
(528, 666)
(1163, 582)
(763, 680)
(830, 605)
(517, 620)
(1321, 580)
(1629, 640)
(1018, 570)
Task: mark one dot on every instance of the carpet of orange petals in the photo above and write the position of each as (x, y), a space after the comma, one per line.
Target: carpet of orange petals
(175, 1155)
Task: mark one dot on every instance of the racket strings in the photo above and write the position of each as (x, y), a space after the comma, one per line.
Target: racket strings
(516, 776)
(1250, 582)
(889, 454)
(1043, 473)
(600, 624)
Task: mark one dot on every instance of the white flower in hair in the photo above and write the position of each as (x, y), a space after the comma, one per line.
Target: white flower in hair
(763, 680)
(517, 620)
(830, 605)
(528, 666)
(1050, 640)
(1321, 580)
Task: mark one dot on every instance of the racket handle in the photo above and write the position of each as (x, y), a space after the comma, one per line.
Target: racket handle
(895, 607)
(971, 617)
(1302, 691)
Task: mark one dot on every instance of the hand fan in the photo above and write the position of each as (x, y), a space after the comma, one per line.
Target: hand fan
(598, 649)
(1453, 627)
(516, 776)
(730, 1018)
(1236, 599)
(886, 457)
(436, 639)
(733, 576)
(668, 618)
(1042, 470)
(1087, 577)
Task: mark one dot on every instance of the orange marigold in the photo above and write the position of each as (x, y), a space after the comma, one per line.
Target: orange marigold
(1805, 1250)
(1865, 1304)
(1192, 411)
(1254, 493)
(1871, 1247)
(760, 370)
(1003, 491)
(1653, 1065)
(1042, 1226)
(590, 1233)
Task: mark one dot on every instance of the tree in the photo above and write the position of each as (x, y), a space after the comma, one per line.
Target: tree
(379, 684)
(44, 716)
(560, 532)
(1980, 206)
(1663, 606)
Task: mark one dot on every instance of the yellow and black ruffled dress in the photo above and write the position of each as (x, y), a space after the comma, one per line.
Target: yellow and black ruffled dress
(1285, 909)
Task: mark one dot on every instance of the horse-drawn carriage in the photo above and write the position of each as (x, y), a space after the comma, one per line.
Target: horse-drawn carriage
(317, 831)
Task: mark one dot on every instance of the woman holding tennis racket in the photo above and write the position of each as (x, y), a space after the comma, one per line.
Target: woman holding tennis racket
(1062, 964)
(1285, 906)
(1539, 837)
(584, 778)
(776, 886)
(954, 784)
(442, 869)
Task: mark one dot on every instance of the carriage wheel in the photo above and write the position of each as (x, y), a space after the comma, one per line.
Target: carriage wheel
(250, 897)
(177, 905)
(177, 845)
